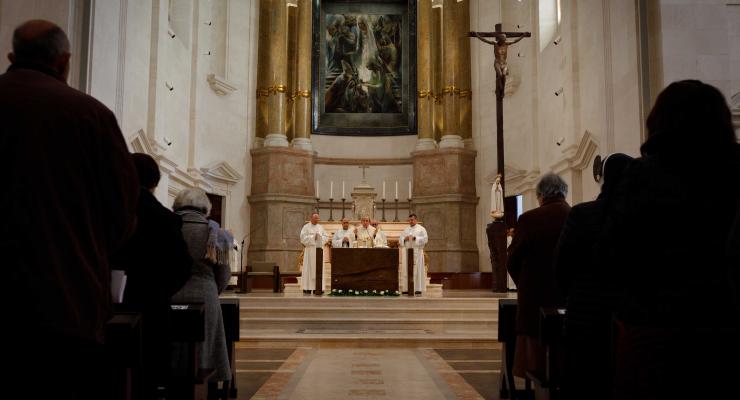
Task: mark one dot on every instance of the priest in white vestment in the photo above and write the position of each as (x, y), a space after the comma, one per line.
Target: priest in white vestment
(380, 239)
(343, 237)
(365, 234)
(313, 236)
(414, 236)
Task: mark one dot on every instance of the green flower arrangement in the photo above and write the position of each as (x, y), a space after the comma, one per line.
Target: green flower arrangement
(351, 292)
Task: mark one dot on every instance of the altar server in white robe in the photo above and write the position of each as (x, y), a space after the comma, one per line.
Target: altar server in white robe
(414, 236)
(343, 237)
(380, 239)
(313, 236)
(365, 233)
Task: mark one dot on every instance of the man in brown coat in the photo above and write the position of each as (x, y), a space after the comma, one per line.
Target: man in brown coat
(530, 265)
(69, 197)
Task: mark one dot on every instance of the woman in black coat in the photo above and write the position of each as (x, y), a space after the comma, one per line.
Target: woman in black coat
(664, 246)
(589, 300)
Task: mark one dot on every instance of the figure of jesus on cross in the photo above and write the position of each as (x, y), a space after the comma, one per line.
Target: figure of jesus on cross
(497, 230)
(500, 45)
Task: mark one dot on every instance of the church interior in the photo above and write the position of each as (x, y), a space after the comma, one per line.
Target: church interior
(372, 111)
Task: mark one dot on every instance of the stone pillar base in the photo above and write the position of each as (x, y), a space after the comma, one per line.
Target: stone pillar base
(468, 144)
(258, 143)
(445, 204)
(425, 144)
(280, 204)
(451, 142)
(276, 140)
(302, 144)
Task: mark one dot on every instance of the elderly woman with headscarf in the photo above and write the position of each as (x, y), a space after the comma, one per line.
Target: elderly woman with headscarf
(210, 271)
(589, 300)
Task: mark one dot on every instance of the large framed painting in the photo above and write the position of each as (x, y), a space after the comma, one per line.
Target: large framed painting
(364, 67)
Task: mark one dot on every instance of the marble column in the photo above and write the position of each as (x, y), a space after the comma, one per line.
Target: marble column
(425, 98)
(451, 130)
(465, 95)
(263, 75)
(445, 201)
(278, 74)
(302, 93)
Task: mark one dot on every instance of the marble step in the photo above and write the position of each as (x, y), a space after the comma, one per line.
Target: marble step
(450, 313)
(308, 301)
(429, 325)
(268, 338)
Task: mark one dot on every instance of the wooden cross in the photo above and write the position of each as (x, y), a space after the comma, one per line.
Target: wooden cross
(501, 42)
(364, 167)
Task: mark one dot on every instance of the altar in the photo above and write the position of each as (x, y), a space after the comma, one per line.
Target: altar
(364, 269)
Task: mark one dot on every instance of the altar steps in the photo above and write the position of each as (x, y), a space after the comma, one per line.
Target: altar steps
(368, 321)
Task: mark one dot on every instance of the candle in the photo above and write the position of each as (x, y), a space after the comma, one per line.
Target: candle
(409, 189)
(343, 190)
(396, 190)
(331, 189)
(317, 188)
(383, 190)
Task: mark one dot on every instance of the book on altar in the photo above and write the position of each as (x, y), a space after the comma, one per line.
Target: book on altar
(117, 285)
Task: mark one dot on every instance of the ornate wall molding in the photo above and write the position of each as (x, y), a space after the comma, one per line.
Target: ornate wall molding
(220, 85)
(221, 172)
(577, 157)
(364, 161)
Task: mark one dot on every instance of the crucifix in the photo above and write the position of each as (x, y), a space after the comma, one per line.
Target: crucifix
(364, 167)
(497, 230)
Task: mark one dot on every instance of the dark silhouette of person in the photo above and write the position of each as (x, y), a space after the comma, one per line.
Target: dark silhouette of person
(69, 194)
(530, 266)
(664, 246)
(157, 265)
(588, 297)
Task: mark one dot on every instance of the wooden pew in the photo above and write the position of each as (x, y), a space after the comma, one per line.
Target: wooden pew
(507, 336)
(230, 311)
(187, 326)
(547, 387)
(123, 343)
(262, 269)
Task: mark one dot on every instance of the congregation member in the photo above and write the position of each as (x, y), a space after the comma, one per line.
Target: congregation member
(157, 265)
(69, 196)
(209, 277)
(664, 244)
(588, 298)
(313, 236)
(414, 237)
(364, 234)
(530, 265)
(343, 237)
(380, 239)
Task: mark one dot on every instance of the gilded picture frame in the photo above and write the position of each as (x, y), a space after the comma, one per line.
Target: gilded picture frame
(364, 67)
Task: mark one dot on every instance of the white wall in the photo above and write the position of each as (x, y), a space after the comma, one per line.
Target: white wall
(701, 41)
(134, 60)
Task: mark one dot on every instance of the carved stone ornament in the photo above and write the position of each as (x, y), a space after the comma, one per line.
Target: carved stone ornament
(220, 85)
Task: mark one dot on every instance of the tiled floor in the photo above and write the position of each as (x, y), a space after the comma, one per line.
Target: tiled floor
(357, 373)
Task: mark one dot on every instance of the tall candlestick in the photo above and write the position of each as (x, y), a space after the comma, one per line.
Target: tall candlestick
(383, 190)
(409, 189)
(396, 190)
(343, 190)
(317, 188)
(331, 189)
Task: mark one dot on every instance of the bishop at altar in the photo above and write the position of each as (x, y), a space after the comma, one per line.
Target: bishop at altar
(313, 235)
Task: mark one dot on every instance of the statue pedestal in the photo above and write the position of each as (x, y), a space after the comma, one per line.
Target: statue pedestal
(496, 233)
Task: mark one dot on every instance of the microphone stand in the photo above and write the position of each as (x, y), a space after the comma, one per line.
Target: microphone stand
(242, 281)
